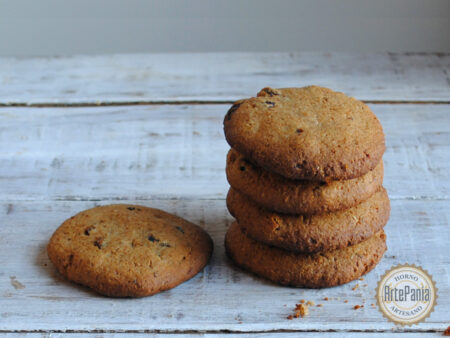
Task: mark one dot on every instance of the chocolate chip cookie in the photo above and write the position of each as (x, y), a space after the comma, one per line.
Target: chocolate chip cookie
(129, 250)
(317, 270)
(311, 233)
(311, 133)
(280, 194)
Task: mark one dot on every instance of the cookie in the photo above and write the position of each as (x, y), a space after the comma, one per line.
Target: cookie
(280, 194)
(310, 133)
(315, 270)
(129, 250)
(314, 233)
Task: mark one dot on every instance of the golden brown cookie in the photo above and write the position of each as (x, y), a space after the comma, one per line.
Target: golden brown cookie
(304, 270)
(129, 250)
(325, 232)
(309, 133)
(278, 193)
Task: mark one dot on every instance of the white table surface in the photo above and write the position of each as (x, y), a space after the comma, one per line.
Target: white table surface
(82, 131)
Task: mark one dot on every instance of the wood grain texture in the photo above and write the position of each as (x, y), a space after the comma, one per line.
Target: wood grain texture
(220, 334)
(178, 151)
(55, 162)
(221, 297)
(220, 77)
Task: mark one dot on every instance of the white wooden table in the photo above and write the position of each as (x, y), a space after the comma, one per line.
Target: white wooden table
(82, 131)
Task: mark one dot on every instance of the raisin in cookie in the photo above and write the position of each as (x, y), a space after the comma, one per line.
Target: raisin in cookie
(129, 250)
(309, 133)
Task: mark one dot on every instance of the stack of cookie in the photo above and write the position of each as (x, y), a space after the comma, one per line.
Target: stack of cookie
(306, 177)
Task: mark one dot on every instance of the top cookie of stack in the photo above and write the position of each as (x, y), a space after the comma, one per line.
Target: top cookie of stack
(309, 133)
(306, 179)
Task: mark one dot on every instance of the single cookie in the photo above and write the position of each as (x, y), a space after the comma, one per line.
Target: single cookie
(278, 193)
(129, 250)
(309, 133)
(313, 233)
(304, 270)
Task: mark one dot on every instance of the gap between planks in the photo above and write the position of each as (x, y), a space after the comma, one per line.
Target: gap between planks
(393, 330)
(179, 198)
(186, 102)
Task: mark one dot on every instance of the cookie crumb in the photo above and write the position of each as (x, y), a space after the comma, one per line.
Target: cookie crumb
(301, 310)
(356, 307)
(361, 278)
(447, 332)
(302, 301)
(355, 287)
(319, 305)
(326, 298)
(310, 302)
(346, 301)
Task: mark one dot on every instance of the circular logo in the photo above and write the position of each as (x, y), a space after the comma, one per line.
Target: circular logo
(406, 294)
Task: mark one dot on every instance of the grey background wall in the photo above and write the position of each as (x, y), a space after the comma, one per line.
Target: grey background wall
(46, 27)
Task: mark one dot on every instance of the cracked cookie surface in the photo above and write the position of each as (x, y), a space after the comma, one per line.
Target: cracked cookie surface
(129, 250)
(311, 133)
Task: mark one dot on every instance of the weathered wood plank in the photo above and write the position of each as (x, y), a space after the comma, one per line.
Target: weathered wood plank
(220, 76)
(219, 335)
(221, 297)
(178, 151)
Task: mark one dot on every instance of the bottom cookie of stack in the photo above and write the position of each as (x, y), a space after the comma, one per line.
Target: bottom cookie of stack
(316, 270)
